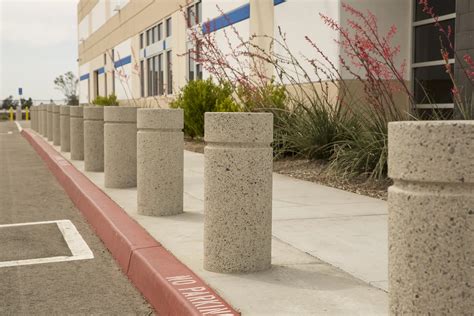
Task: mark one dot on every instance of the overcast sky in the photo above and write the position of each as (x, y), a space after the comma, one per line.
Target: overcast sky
(38, 42)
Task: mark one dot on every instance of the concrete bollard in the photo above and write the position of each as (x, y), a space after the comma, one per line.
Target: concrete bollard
(65, 128)
(238, 192)
(160, 145)
(34, 115)
(94, 138)
(431, 218)
(32, 118)
(49, 119)
(44, 114)
(56, 127)
(120, 146)
(42, 119)
(76, 125)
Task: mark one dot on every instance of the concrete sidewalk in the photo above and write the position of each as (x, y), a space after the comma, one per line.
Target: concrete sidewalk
(329, 247)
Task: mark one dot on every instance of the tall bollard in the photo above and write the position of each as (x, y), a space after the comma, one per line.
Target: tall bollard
(43, 123)
(32, 118)
(65, 128)
(160, 145)
(76, 132)
(120, 146)
(238, 192)
(56, 127)
(94, 138)
(50, 122)
(431, 218)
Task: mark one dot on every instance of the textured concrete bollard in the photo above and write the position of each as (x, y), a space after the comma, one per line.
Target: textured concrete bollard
(120, 146)
(33, 117)
(56, 127)
(94, 138)
(160, 145)
(42, 116)
(238, 192)
(65, 128)
(431, 218)
(76, 125)
(49, 119)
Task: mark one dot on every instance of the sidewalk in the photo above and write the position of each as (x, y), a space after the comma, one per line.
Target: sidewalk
(328, 245)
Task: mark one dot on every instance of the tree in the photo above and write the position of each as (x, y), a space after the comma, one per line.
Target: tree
(67, 84)
(26, 103)
(9, 102)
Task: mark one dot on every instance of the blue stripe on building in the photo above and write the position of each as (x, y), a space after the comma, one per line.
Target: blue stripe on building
(124, 61)
(84, 77)
(232, 17)
(100, 71)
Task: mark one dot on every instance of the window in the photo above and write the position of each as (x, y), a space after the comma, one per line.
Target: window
(161, 90)
(159, 29)
(155, 34)
(141, 40)
(150, 77)
(113, 81)
(155, 75)
(194, 14)
(105, 83)
(148, 37)
(96, 84)
(169, 75)
(105, 59)
(191, 66)
(431, 83)
(168, 27)
(142, 78)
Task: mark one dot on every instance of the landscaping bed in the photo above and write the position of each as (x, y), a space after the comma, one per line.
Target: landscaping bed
(317, 171)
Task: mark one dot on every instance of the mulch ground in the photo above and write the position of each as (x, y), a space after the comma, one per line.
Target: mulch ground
(318, 172)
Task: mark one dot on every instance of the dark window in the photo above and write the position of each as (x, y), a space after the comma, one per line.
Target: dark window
(105, 59)
(199, 72)
(155, 75)
(198, 13)
(190, 66)
(105, 83)
(142, 78)
(96, 84)
(440, 7)
(113, 81)
(149, 39)
(169, 69)
(160, 75)
(429, 40)
(141, 40)
(432, 85)
(150, 77)
(113, 55)
(168, 27)
(191, 16)
(159, 32)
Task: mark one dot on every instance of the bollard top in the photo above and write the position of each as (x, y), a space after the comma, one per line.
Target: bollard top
(120, 114)
(238, 127)
(64, 110)
(431, 151)
(94, 113)
(160, 119)
(56, 108)
(76, 111)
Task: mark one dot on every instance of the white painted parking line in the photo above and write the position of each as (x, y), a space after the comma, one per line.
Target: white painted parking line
(18, 126)
(78, 247)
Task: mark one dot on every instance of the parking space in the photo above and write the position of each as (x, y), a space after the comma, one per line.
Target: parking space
(51, 262)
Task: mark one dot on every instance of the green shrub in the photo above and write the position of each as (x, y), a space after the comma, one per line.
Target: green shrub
(268, 96)
(105, 101)
(199, 97)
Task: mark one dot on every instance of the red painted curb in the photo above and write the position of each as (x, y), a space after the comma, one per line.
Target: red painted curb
(168, 285)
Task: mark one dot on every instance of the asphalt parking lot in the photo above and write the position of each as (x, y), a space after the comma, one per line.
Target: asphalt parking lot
(51, 262)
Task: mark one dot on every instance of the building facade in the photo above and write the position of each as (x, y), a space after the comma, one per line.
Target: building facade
(137, 49)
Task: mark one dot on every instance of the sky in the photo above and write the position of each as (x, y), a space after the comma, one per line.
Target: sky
(38, 42)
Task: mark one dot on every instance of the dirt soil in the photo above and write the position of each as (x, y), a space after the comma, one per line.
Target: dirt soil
(318, 172)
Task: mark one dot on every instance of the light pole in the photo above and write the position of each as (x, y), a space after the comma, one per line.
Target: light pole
(18, 108)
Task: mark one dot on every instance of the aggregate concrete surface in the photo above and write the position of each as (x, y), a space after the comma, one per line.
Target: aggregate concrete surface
(30, 193)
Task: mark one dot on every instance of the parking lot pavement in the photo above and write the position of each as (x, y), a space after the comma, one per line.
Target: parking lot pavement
(54, 263)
